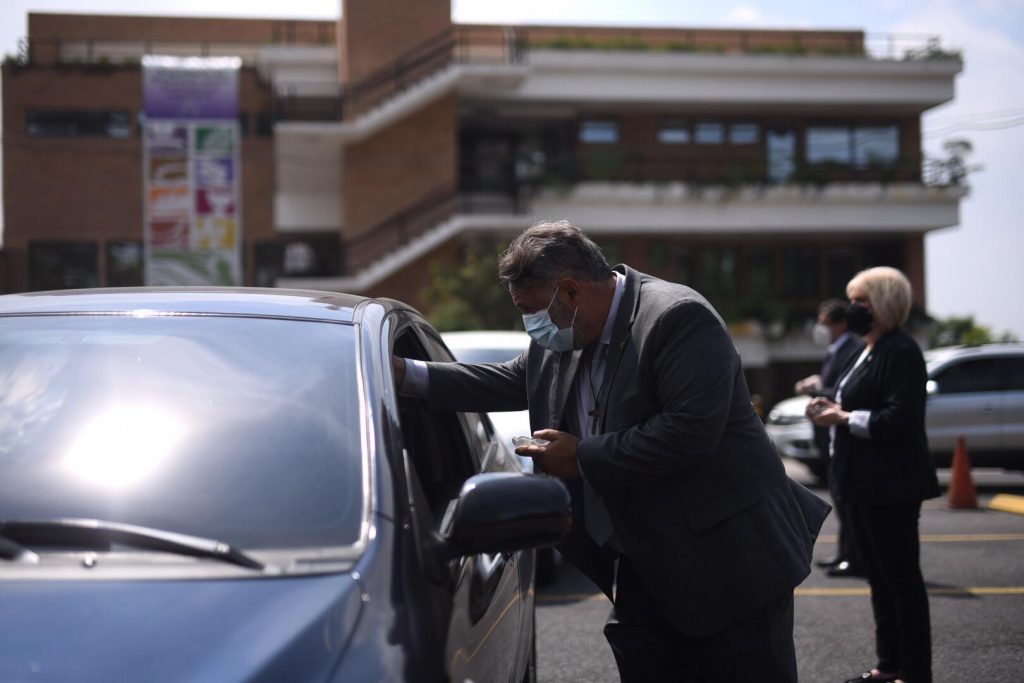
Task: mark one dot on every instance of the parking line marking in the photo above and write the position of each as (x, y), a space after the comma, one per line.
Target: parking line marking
(858, 591)
(947, 538)
(968, 590)
(1005, 502)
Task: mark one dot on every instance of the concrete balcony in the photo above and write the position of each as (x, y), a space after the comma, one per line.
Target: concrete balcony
(678, 208)
(734, 80)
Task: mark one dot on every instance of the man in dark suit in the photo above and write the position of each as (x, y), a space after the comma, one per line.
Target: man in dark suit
(844, 347)
(689, 523)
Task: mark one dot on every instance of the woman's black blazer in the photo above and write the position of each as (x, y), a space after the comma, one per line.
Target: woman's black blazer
(894, 465)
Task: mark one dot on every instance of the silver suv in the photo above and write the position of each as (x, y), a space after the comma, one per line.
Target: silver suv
(977, 392)
(974, 391)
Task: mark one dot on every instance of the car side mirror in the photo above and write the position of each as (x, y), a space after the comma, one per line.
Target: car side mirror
(932, 387)
(504, 512)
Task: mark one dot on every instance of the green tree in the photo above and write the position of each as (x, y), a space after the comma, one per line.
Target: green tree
(468, 296)
(964, 331)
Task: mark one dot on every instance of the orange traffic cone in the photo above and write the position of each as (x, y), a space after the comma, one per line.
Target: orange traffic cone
(961, 484)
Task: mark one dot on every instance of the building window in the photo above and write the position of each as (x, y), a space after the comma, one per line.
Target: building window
(124, 264)
(594, 132)
(828, 144)
(857, 146)
(801, 272)
(709, 133)
(716, 271)
(612, 251)
(265, 124)
(673, 131)
(840, 267)
(62, 265)
(684, 265)
(58, 123)
(761, 272)
(657, 256)
(876, 145)
(744, 134)
(300, 255)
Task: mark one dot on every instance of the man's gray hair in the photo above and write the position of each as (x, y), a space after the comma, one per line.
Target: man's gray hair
(548, 251)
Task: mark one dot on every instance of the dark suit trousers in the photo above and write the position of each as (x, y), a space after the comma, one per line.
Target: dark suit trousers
(648, 648)
(889, 544)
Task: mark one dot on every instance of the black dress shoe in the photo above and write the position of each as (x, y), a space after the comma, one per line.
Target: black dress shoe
(826, 564)
(866, 677)
(844, 568)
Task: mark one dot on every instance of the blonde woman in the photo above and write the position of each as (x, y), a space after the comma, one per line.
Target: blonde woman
(883, 470)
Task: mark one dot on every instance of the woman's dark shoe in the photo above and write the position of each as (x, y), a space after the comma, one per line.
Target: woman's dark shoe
(867, 677)
(828, 564)
(844, 568)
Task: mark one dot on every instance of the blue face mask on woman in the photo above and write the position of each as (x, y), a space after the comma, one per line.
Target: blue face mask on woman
(543, 330)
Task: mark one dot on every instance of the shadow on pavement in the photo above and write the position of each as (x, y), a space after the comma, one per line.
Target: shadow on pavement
(571, 586)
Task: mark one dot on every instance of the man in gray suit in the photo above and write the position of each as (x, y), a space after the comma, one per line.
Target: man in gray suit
(689, 523)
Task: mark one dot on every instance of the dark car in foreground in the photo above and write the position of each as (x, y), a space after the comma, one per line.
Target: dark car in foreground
(223, 485)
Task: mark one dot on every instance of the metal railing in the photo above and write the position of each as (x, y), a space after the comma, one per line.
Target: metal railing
(478, 43)
(399, 229)
(457, 44)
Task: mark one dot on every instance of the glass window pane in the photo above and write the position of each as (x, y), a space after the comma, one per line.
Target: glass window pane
(710, 133)
(716, 272)
(684, 265)
(761, 273)
(599, 132)
(241, 429)
(828, 144)
(78, 123)
(971, 376)
(781, 150)
(62, 265)
(744, 133)
(801, 271)
(876, 145)
(612, 251)
(840, 266)
(124, 264)
(674, 132)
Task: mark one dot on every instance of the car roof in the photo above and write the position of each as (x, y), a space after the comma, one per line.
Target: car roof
(486, 339)
(941, 356)
(269, 302)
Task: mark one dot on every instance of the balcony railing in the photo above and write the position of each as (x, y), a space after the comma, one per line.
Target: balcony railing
(479, 45)
(399, 229)
(562, 172)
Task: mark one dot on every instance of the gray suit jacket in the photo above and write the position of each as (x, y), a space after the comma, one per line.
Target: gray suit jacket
(698, 496)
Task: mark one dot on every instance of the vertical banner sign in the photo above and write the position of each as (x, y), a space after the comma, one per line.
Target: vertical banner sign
(193, 231)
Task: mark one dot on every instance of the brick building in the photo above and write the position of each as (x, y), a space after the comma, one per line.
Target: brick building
(762, 167)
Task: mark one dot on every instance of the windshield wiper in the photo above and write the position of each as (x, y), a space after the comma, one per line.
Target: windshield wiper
(93, 532)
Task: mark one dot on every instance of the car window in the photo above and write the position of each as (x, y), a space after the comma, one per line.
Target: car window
(973, 375)
(436, 440)
(236, 428)
(476, 427)
(1014, 373)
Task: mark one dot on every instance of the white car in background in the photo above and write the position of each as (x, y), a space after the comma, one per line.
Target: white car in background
(487, 346)
(492, 346)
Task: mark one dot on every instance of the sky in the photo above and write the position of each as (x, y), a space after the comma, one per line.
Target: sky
(974, 268)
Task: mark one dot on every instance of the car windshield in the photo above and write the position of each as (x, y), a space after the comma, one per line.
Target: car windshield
(241, 429)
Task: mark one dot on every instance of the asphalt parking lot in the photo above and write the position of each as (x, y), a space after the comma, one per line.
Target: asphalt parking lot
(973, 562)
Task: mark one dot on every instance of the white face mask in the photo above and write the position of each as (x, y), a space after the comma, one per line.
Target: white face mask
(821, 335)
(543, 330)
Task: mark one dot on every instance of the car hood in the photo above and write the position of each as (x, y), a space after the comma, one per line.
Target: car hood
(277, 629)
